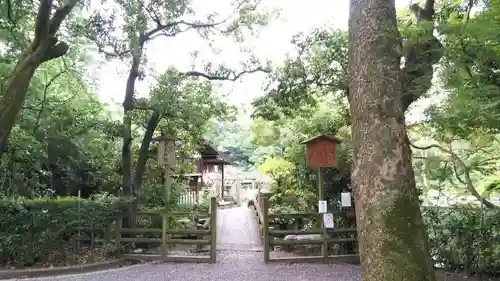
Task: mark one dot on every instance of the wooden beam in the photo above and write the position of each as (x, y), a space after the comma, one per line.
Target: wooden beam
(188, 242)
(140, 240)
(140, 230)
(188, 231)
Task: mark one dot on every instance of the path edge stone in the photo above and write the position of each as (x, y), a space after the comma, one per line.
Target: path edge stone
(63, 270)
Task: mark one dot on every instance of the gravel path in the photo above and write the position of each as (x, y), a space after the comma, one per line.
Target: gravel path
(238, 259)
(231, 266)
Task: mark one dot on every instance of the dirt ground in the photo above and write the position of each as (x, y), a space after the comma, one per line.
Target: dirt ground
(57, 258)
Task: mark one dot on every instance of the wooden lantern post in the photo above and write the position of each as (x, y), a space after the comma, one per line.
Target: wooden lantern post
(166, 159)
(321, 153)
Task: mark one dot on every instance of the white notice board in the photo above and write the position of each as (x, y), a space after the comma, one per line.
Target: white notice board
(328, 220)
(322, 206)
(346, 199)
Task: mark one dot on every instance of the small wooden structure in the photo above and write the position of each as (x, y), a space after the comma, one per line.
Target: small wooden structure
(213, 163)
(321, 151)
(166, 150)
(167, 159)
(208, 164)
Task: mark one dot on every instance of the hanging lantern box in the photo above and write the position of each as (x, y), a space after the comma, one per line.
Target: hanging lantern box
(166, 150)
(321, 151)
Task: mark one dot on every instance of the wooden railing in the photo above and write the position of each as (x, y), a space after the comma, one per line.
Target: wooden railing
(269, 233)
(189, 197)
(164, 237)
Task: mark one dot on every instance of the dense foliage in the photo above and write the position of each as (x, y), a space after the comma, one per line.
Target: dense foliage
(33, 230)
(464, 238)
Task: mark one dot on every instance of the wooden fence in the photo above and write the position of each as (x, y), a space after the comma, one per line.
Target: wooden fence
(164, 235)
(269, 233)
(190, 197)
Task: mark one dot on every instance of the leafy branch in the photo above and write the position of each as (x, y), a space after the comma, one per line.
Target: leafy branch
(45, 41)
(164, 28)
(467, 181)
(225, 75)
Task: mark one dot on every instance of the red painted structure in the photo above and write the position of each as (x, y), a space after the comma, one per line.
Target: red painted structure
(209, 161)
(321, 151)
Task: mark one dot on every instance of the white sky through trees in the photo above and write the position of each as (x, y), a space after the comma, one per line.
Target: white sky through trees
(273, 43)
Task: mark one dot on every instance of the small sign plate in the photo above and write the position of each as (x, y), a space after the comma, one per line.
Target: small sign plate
(328, 220)
(322, 206)
(345, 198)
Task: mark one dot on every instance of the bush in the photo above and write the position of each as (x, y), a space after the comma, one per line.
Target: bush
(31, 229)
(464, 237)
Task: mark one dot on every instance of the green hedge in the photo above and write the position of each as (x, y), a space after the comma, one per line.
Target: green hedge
(31, 229)
(464, 237)
(461, 237)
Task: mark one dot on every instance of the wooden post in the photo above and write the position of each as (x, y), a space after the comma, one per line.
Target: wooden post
(321, 188)
(271, 247)
(324, 236)
(119, 221)
(164, 226)
(197, 191)
(222, 181)
(168, 184)
(167, 159)
(265, 226)
(213, 229)
(321, 152)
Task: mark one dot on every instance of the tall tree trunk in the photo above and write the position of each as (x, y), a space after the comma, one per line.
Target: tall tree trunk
(140, 167)
(392, 236)
(127, 153)
(128, 107)
(13, 98)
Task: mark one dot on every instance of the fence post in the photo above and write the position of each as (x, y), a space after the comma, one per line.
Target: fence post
(265, 226)
(164, 227)
(324, 236)
(118, 233)
(272, 247)
(213, 229)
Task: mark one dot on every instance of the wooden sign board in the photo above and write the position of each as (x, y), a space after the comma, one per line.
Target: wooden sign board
(160, 154)
(321, 151)
(170, 157)
(166, 150)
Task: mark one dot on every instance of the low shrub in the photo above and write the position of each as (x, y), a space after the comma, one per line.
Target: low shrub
(33, 229)
(464, 238)
(461, 237)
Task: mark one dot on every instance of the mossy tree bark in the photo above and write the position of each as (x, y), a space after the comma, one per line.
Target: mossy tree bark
(392, 236)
